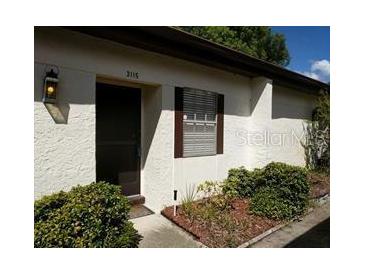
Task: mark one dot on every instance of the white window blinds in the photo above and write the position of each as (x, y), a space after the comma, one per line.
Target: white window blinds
(199, 123)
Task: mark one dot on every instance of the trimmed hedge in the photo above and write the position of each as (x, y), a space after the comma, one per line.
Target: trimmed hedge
(94, 215)
(278, 190)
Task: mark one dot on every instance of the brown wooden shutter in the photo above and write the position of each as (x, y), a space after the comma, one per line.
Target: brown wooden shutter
(220, 123)
(179, 122)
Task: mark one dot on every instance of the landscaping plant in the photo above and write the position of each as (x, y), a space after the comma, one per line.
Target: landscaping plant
(95, 215)
(187, 202)
(242, 182)
(269, 203)
(277, 191)
(284, 192)
(244, 205)
(213, 211)
(214, 195)
(317, 143)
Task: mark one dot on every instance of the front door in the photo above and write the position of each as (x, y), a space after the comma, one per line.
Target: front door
(118, 123)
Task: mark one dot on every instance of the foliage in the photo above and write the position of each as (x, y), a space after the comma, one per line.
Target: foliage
(214, 212)
(268, 202)
(241, 182)
(209, 188)
(277, 190)
(317, 143)
(230, 187)
(322, 110)
(211, 208)
(188, 200)
(212, 191)
(283, 193)
(95, 215)
(259, 42)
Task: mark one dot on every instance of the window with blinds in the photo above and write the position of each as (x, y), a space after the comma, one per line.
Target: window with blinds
(199, 122)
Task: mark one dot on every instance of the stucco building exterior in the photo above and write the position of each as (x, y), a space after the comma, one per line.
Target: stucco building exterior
(117, 108)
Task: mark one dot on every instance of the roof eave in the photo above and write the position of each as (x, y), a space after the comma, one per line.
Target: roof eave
(177, 43)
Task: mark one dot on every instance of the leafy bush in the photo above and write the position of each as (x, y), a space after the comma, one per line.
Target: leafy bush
(284, 192)
(269, 203)
(291, 182)
(95, 215)
(277, 190)
(241, 182)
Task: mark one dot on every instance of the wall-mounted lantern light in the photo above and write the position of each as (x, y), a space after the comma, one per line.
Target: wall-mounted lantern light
(50, 87)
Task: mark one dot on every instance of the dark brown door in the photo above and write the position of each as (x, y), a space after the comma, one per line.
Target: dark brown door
(118, 123)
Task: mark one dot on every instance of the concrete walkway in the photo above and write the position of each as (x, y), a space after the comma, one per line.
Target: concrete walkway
(157, 231)
(312, 231)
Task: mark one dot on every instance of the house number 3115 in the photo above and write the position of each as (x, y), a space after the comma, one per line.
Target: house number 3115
(132, 74)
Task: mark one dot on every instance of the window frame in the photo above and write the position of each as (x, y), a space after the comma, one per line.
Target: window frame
(199, 122)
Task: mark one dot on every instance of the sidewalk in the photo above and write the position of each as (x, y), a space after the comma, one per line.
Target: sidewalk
(312, 231)
(157, 231)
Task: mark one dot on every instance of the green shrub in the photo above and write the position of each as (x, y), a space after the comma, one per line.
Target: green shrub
(269, 203)
(291, 182)
(242, 181)
(283, 193)
(278, 190)
(95, 215)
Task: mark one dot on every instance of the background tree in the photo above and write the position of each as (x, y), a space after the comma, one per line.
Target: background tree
(259, 42)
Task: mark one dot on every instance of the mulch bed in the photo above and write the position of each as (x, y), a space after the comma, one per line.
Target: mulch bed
(212, 235)
(320, 185)
(246, 226)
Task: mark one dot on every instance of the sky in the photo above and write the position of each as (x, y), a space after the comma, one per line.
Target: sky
(309, 49)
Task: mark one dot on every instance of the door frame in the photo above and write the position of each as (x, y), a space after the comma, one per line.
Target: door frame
(123, 83)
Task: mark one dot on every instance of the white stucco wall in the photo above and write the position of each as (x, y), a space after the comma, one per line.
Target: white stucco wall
(260, 122)
(65, 153)
(157, 146)
(290, 111)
